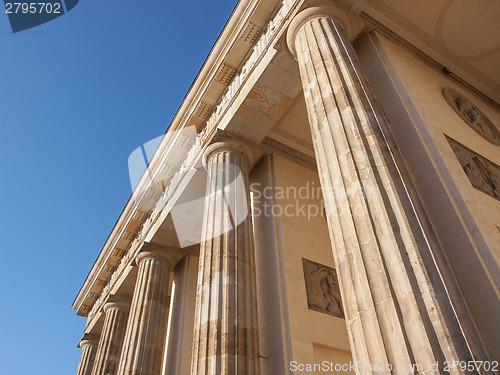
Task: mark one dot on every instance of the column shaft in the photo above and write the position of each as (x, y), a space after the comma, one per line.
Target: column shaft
(226, 333)
(111, 341)
(397, 309)
(145, 336)
(87, 357)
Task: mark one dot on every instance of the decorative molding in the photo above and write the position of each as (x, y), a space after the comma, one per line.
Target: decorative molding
(352, 25)
(115, 302)
(228, 145)
(250, 33)
(141, 215)
(88, 339)
(225, 74)
(150, 251)
(118, 252)
(261, 46)
(203, 110)
(128, 235)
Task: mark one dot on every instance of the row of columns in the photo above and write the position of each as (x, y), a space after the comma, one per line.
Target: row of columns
(133, 335)
(225, 337)
(397, 309)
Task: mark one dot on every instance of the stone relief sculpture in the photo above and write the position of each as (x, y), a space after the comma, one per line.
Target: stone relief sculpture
(322, 289)
(471, 115)
(483, 174)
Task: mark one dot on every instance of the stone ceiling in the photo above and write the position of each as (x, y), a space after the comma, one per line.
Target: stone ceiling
(462, 35)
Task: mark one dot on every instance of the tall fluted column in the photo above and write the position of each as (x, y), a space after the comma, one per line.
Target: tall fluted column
(226, 334)
(397, 309)
(111, 340)
(145, 336)
(89, 345)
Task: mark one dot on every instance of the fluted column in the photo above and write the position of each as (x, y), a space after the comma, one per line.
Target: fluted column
(89, 345)
(145, 336)
(397, 310)
(226, 334)
(111, 340)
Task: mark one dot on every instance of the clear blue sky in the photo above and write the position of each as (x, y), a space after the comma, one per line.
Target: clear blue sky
(77, 96)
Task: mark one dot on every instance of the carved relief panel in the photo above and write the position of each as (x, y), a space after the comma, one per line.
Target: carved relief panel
(471, 115)
(322, 289)
(482, 173)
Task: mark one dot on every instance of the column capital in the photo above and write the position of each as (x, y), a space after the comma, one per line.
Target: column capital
(228, 145)
(351, 24)
(170, 255)
(88, 340)
(117, 303)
